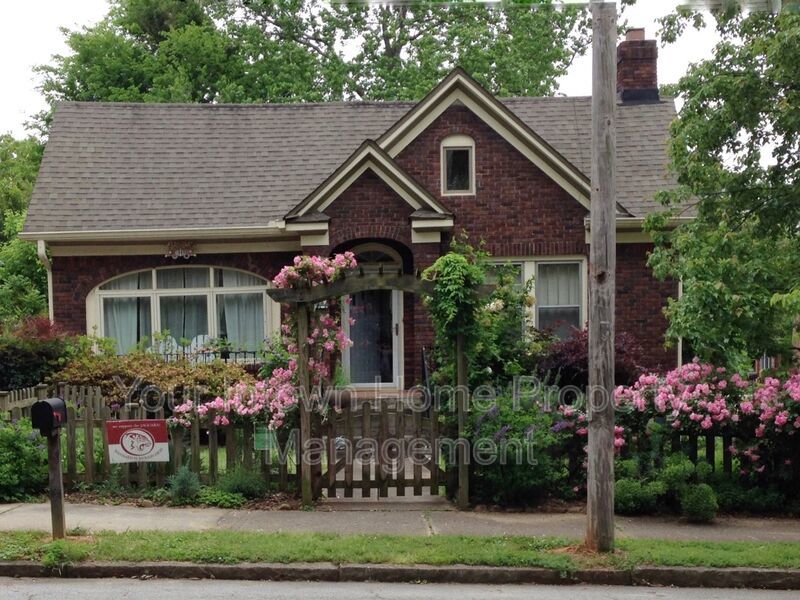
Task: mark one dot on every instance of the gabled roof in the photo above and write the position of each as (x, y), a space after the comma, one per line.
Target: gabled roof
(459, 87)
(369, 156)
(161, 167)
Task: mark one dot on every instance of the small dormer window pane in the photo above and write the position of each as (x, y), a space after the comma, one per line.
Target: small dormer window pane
(458, 169)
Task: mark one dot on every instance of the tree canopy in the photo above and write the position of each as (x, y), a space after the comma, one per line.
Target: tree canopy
(736, 151)
(306, 50)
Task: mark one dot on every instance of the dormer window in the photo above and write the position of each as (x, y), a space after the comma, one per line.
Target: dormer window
(458, 165)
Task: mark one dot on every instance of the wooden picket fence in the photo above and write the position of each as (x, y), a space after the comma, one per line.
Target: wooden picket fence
(85, 445)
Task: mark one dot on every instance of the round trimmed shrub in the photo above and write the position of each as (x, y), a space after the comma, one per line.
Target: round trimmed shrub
(699, 503)
(632, 497)
(243, 482)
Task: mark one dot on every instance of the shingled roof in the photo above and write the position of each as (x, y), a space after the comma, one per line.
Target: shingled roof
(122, 166)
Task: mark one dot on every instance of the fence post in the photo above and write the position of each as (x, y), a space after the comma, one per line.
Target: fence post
(40, 389)
(305, 416)
(462, 449)
(4, 400)
(88, 442)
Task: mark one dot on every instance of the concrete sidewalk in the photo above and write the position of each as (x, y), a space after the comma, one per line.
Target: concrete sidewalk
(381, 521)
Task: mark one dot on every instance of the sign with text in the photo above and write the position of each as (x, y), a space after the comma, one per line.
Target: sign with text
(144, 440)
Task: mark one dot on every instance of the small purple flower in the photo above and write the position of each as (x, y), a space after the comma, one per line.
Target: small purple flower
(560, 426)
(501, 433)
(493, 412)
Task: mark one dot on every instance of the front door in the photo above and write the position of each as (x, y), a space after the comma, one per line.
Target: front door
(374, 358)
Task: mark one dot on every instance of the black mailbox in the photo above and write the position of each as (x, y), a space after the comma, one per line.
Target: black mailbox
(48, 415)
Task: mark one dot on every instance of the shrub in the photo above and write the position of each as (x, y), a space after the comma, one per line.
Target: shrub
(219, 498)
(184, 486)
(23, 462)
(30, 353)
(733, 496)
(632, 497)
(677, 472)
(699, 503)
(243, 482)
(116, 374)
(527, 466)
(569, 358)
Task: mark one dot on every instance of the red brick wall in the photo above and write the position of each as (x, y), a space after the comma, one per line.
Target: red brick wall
(639, 303)
(75, 276)
(516, 209)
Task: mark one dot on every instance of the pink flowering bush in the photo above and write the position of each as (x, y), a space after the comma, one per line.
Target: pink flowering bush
(763, 416)
(271, 399)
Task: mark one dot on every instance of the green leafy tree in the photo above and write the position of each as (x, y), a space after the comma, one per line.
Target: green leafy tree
(19, 164)
(306, 50)
(736, 151)
(23, 280)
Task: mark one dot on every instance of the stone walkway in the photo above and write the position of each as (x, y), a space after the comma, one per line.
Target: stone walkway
(387, 518)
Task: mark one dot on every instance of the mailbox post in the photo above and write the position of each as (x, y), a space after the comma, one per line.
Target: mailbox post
(48, 415)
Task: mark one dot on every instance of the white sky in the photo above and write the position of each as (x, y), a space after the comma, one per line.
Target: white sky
(29, 36)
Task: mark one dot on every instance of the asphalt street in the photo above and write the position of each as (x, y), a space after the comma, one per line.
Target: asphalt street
(103, 589)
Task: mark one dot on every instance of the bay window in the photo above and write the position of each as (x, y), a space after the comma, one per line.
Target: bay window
(189, 306)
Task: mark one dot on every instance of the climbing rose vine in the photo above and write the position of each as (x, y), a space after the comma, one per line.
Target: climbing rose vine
(272, 398)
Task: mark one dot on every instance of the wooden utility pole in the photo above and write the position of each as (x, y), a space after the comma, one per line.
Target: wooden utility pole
(602, 266)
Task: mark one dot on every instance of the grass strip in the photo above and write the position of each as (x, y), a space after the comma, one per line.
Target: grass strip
(231, 547)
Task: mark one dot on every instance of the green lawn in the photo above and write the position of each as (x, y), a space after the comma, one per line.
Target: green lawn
(235, 547)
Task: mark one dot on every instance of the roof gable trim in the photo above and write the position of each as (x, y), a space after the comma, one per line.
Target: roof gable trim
(368, 157)
(460, 87)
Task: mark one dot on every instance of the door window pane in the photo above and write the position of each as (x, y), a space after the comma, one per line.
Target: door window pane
(240, 320)
(186, 277)
(371, 356)
(558, 297)
(127, 321)
(186, 318)
(458, 167)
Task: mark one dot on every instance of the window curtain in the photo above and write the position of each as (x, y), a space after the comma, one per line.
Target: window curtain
(127, 321)
(184, 316)
(240, 316)
(558, 297)
(189, 277)
(558, 285)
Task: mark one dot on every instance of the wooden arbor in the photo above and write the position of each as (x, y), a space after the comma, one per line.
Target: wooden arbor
(302, 301)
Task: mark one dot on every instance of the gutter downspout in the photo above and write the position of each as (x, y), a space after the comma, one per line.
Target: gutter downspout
(41, 251)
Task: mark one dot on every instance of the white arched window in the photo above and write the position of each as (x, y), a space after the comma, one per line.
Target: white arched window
(196, 305)
(458, 165)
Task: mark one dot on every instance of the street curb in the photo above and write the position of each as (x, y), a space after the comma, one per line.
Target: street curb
(772, 579)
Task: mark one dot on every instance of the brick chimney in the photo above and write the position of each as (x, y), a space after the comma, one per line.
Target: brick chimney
(637, 68)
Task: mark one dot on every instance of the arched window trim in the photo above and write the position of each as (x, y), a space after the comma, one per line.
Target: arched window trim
(457, 141)
(94, 302)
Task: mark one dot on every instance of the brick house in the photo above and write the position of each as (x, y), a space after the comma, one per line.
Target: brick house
(153, 217)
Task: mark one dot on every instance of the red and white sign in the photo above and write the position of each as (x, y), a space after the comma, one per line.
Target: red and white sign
(137, 441)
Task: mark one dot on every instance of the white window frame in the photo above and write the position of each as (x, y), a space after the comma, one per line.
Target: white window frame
(94, 301)
(530, 269)
(457, 142)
